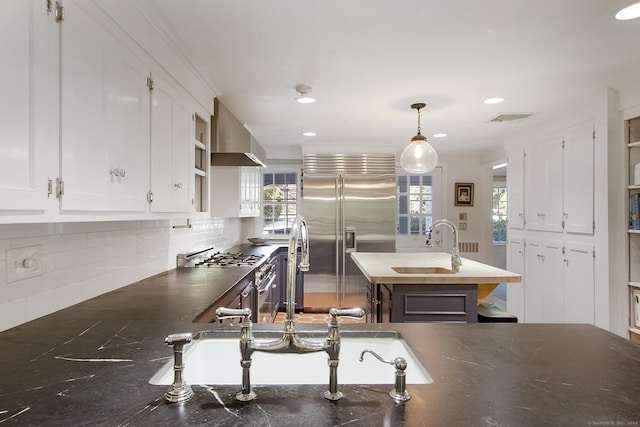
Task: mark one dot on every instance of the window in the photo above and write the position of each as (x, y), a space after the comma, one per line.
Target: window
(279, 202)
(415, 204)
(499, 214)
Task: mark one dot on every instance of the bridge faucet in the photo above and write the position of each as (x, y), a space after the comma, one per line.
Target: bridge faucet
(290, 342)
(456, 262)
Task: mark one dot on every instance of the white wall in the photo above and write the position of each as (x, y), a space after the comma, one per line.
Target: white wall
(465, 169)
(83, 260)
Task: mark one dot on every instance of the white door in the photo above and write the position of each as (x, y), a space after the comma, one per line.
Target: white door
(23, 111)
(553, 211)
(104, 118)
(533, 290)
(515, 291)
(578, 181)
(171, 149)
(579, 284)
(552, 292)
(535, 183)
(515, 188)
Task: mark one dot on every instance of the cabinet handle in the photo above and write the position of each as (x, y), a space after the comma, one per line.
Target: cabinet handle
(178, 185)
(117, 172)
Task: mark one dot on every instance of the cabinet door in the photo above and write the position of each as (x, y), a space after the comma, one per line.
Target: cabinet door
(579, 284)
(553, 211)
(578, 181)
(543, 183)
(23, 110)
(533, 291)
(515, 291)
(515, 188)
(250, 191)
(171, 142)
(104, 118)
(535, 183)
(552, 290)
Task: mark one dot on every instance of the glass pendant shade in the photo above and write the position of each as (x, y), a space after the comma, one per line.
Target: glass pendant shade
(419, 157)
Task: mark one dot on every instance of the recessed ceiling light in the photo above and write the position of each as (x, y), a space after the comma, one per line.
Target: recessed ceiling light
(493, 100)
(439, 135)
(630, 11)
(304, 97)
(309, 133)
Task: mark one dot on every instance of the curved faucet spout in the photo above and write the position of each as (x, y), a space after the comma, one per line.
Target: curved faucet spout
(299, 228)
(456, 262)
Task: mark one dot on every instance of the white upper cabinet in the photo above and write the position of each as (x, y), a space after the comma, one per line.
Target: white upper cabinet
(104, 119)
(579, 181)
(515, 188)
(543, 186)
(172, 154)
(236, 191)
(24, 114)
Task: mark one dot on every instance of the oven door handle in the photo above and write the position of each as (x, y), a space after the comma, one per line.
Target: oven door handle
(265, 288)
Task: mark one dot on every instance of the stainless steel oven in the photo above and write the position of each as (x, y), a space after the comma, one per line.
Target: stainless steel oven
(260, 297)
(266, 285)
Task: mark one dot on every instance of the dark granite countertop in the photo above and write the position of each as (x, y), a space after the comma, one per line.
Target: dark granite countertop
(90, 364)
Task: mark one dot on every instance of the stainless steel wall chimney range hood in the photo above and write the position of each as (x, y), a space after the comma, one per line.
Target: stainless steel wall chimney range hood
(232, 143)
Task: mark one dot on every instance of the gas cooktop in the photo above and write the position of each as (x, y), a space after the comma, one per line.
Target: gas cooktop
(211, 258)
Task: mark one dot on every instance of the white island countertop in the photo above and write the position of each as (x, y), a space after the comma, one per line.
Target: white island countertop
(378, 268)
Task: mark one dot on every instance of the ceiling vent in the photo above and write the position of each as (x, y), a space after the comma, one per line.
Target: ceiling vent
(510, 117)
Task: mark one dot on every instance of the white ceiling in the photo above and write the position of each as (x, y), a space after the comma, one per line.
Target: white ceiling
(368, 60)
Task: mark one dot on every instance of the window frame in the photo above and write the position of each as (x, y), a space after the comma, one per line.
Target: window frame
(275, 169)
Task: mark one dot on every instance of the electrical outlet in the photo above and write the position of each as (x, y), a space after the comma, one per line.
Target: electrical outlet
(23, 263)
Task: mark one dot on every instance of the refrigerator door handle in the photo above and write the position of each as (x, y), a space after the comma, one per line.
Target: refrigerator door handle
(338, 235)
(350, 240)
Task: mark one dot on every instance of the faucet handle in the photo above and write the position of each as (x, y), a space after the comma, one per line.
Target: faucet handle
(182, 338)
(230, 313)
(355, 312)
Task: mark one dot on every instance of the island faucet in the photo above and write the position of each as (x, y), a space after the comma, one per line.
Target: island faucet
(290, 342)
(456, 262)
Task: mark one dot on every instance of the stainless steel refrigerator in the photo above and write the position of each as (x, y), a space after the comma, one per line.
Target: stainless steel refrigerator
(349, 203)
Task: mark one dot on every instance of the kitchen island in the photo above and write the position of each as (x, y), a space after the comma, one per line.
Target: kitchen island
(90, 364)
(423, 287)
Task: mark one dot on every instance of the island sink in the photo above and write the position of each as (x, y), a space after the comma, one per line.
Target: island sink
(422, 270)
(214, 358)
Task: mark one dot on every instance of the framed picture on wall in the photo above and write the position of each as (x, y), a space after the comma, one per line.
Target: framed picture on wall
(464, 194)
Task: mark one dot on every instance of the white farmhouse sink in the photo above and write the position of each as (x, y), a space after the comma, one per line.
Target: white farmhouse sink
(216, 361)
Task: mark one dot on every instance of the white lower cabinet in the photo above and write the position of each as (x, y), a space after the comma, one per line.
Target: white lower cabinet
(558, 282)
(543, 282)
(579, 284)
(515, 291)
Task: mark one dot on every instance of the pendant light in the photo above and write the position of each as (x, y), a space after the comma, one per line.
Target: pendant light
(419, 157)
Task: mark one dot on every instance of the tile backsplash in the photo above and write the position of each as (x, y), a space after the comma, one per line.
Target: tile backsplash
(82, 260)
